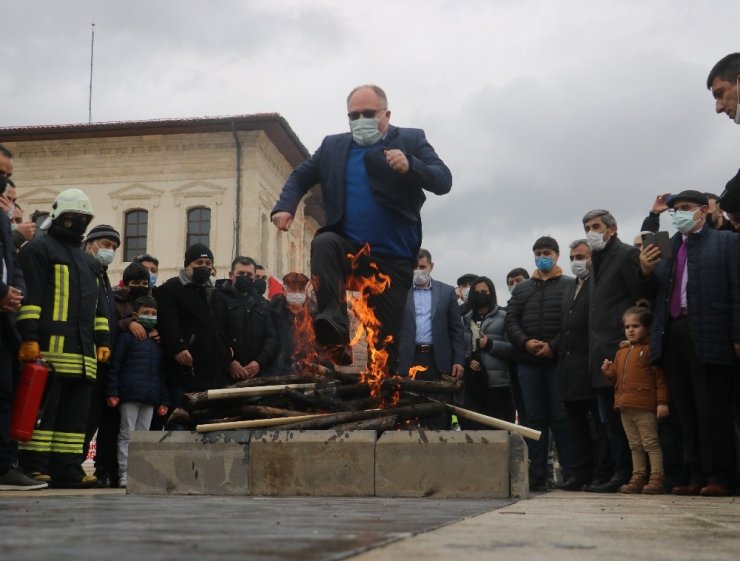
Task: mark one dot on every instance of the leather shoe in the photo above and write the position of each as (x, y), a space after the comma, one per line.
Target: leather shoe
(611, 486)
(571, 484)
(690, 489)
(329, 333)
(714, 490)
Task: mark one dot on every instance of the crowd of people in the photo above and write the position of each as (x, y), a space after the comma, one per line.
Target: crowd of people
(630, 365)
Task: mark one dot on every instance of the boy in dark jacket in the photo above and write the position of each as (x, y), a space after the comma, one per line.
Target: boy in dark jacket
(136, 381)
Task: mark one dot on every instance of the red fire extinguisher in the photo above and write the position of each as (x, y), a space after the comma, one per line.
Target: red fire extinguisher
(27, 401)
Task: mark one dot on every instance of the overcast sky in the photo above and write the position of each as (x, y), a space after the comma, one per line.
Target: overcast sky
(542, 109)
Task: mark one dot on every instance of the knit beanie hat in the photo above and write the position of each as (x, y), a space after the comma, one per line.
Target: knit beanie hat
(135, 271)
(196, 251)
(103, 231)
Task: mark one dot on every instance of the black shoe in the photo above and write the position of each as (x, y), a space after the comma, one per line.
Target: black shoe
(14, 480)
(611, 486)
(537, 485)
(86, 482)
(329, 333)
(571, 484)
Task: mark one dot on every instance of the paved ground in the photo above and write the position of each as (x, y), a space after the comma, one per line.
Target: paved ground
(50, 525)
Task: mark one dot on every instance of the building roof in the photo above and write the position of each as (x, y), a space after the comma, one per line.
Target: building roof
(275, 126)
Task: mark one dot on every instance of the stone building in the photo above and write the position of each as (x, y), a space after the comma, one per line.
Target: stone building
(169, 183)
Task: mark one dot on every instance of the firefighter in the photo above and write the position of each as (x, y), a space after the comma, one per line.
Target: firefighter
(62, 319)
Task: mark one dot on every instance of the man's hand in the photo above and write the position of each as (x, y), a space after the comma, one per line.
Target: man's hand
(253, 368)
(282, 220)
(5, 203)
(736, 346)
(237, 371)
(154, 334)
(184, 358)
(482, 342)
(458, 370)
(533, 346)
(660, 205)
(103, 354)
(162, 410)
(28, 229)
(662, 411)
(29, 351)
(12, 300)
(137, 330)
(545, 351)
(649, 258)
(397, 160)
(112, 401)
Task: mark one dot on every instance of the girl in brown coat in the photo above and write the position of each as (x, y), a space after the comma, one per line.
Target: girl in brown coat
(641, 396)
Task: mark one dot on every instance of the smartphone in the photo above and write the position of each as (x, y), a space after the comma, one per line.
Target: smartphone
(659, 239)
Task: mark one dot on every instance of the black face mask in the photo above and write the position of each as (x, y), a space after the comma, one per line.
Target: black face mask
(135, 292)
(201, 275)
(480, 300)
(260, 285)
(242, 283)
(74, 224)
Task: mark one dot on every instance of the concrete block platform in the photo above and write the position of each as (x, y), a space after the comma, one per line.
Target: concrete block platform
(339, 463)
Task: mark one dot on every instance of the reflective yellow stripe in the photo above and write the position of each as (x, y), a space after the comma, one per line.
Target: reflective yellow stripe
(61, 293)
(56, 343)
(43, 435)
(66, 448)
(101, 324)
(29, 312)
(35, 446)
(69, 436)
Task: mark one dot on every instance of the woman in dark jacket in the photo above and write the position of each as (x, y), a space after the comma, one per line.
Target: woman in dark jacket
(487, 380)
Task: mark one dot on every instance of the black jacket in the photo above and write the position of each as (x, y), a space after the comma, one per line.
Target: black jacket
(575, 374)
(9, 337)
(535, 311)
(193, 318)
(249, 327)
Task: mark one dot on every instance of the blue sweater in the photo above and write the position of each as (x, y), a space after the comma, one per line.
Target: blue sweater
(136, 372)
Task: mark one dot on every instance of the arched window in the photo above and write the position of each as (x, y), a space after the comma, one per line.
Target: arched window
(199, 226)
(135, 231)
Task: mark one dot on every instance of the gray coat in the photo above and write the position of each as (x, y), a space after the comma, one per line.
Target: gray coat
(495, 357)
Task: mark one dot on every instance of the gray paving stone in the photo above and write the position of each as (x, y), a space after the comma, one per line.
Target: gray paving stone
(518, 467)
(459, 464)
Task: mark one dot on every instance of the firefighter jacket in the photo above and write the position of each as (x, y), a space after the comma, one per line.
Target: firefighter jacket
(61, 309)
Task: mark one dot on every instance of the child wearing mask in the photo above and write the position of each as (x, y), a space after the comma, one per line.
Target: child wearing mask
(135, 285)
(136, 383)
(641, 397)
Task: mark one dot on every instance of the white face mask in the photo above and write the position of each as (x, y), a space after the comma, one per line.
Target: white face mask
(105, 256)
(298, 298)
(421, 277)
(465, 293)
(596, 240)
(365, 131)
(579, 268)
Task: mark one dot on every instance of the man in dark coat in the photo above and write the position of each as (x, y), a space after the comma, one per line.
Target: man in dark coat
(250, 328)
(696, 338)
(591, 458)
(372, 186)
(192, 327)
(613, 289)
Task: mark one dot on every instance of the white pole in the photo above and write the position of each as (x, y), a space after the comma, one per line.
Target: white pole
(89, 99)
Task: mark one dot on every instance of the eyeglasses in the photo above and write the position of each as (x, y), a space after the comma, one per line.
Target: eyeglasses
(367, 113)
(673, 210)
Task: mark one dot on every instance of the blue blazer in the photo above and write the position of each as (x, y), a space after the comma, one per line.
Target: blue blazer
(403, 193)
(447, 330)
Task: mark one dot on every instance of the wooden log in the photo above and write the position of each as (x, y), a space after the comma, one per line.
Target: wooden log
(317, 400)
(331, 373)
(264, 412)
(418, 410)
(254, 423)
(347, 390)
(197, 400)
(398, 383)
(274, 380)
(526, 432)
(381, 423)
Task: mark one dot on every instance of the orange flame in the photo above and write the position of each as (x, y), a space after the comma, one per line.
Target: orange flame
(414, 370)
(304, 338)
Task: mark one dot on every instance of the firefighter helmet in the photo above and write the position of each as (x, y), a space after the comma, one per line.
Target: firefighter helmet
(71, 200)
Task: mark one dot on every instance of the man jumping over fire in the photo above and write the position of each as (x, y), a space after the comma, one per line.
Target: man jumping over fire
(372, 182)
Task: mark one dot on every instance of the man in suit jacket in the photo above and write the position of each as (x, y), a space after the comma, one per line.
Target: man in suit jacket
(432, 332)
(372, 185)
(614, 287)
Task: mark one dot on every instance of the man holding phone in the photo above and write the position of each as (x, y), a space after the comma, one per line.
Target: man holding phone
(696, 338)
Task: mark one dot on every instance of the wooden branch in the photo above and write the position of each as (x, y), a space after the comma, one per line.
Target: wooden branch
(419, 410)
(197, 400)
(398, 383)
(526, 432)
(381, 424)
(255, 423)
(263, 412)
(274, 380)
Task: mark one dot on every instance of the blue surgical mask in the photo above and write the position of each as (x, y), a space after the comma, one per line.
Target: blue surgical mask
(683, 220)
(105, 256)
(365, 131)
(152, 279)
(544, 264)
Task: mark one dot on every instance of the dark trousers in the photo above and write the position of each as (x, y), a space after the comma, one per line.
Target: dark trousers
(701, 399)
(7, 381)
(618, 445)
(106, 421)
(56, 446)
(545, 411)
(432, 374)
(478, 397)
(332, 275)
(592, 460)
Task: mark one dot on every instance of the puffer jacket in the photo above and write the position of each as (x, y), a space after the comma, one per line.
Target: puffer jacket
(535, 311)
(637, 384)
(495, 357)
(136, 373)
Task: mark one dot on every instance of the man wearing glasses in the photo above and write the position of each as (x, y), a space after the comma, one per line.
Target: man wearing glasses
(372, 183)
(696, 338)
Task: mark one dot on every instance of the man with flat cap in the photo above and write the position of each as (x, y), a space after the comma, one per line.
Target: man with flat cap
(696, 338)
